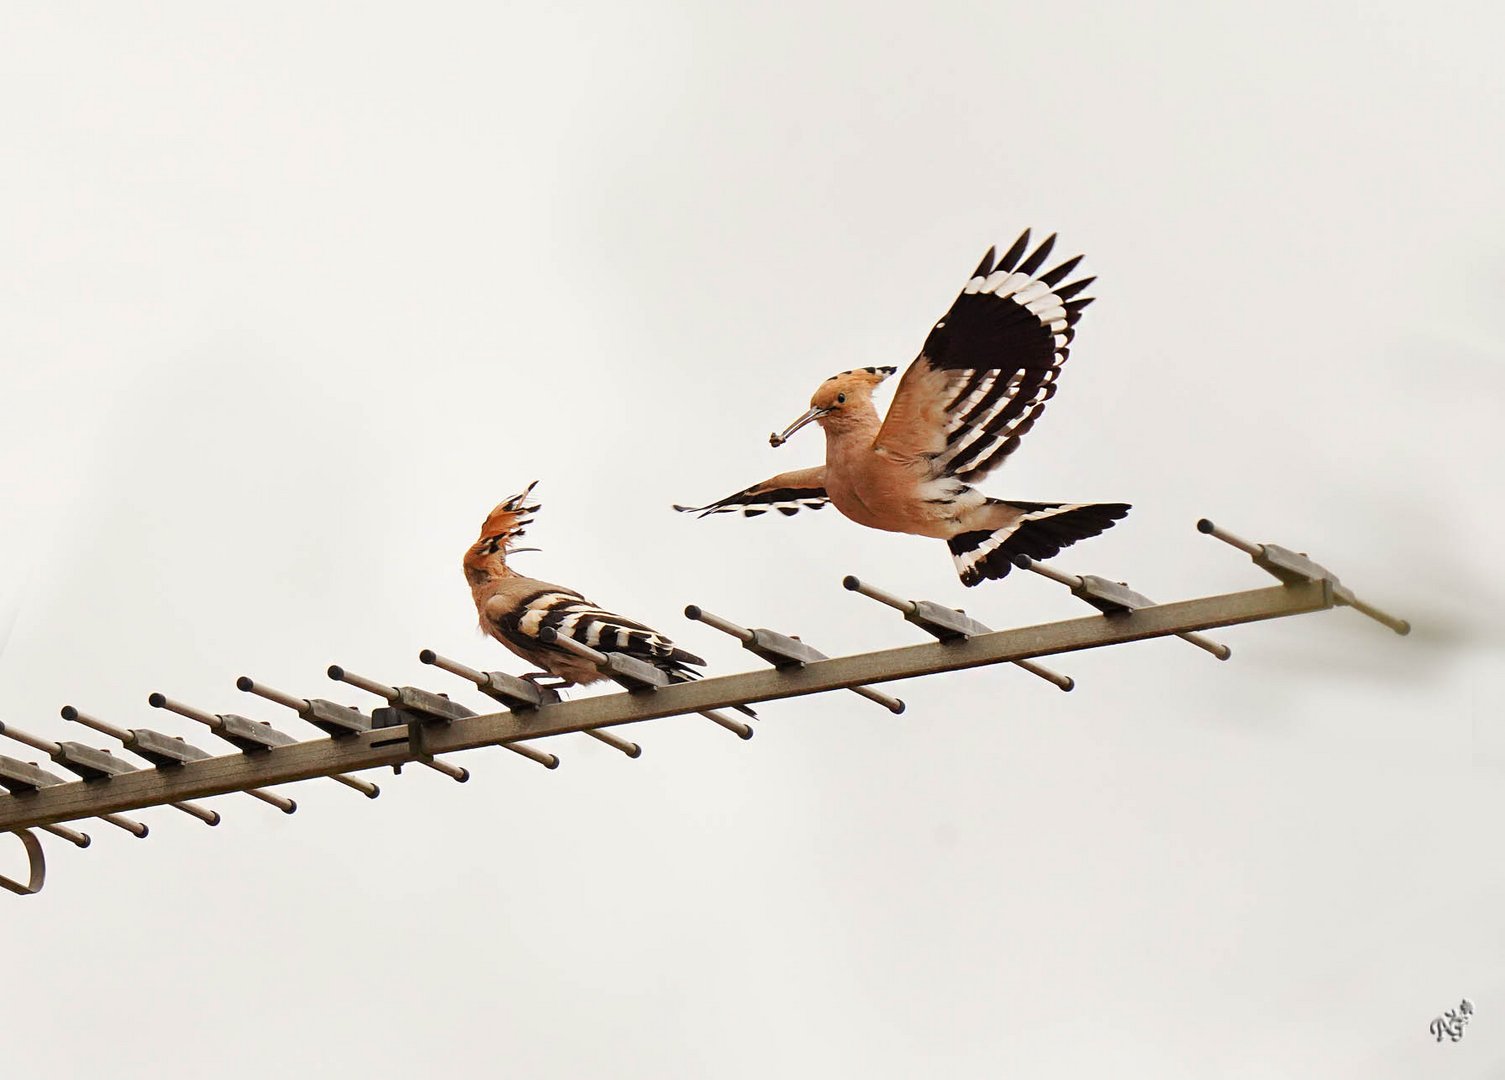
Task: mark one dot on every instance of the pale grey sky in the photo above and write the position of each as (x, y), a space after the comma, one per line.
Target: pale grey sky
(290, 297)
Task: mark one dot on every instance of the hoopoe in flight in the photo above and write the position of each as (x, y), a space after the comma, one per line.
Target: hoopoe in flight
(980, 382)
(514, 609)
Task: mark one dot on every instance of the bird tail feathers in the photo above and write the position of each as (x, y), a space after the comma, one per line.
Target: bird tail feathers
(1038, 530)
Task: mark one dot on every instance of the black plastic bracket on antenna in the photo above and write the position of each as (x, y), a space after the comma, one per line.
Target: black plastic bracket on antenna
(419, 709)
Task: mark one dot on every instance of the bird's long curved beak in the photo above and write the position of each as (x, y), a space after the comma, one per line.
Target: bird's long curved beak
(815, 413)
(514, 551)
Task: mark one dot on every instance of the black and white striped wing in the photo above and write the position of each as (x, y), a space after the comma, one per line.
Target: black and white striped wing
(571, 615)
(989, 366)
(788, 493)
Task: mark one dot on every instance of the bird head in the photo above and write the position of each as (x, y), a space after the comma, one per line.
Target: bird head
(508, 520)
(841, 400)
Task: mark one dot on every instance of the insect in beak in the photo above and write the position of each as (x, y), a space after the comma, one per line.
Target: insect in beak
(815, 413)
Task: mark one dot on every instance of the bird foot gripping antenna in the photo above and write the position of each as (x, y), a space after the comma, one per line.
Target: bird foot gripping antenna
(414, 725)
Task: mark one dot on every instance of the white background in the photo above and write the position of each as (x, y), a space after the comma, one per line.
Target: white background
(291, 295)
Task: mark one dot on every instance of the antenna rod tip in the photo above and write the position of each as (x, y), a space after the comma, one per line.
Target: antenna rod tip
(692, 612)
(156, 700)
(1023, 562)
(245, 683)
(427, 656)
(547, 635)
(851, 583)
(336, 672)
(1205, 525)
(69, 712)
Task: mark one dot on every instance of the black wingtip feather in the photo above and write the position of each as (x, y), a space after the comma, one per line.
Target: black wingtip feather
(1037, 260)
(985, 267)
(1015, 253)
(1060, 272)
(1066, 292)
(1074, 309)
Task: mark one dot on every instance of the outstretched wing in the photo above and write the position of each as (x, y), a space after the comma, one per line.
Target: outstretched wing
(788, 493)
(571, 615)
(989, 366)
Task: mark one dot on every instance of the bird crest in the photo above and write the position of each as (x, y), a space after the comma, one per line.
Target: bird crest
(508, 520)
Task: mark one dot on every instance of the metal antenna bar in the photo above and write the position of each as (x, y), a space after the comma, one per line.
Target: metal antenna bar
(214, 723)
(1394, 622)
(1071, 581)
(716, 622)
(946, 624)
(73, 836)
(135, 828)
(1114, 598)
(543, 757)
(54, 750)
(248, 685)
(782, 651)
(126, 738)
(454, 667)
(1293, 566)
(631, 749)
(301, 706)
(458, 773)
(488, 683)
(1064, 682)
(853, 584)
(385, 747)
(355, 783)
(1254, 551)
(109, 730)
(36, 742)
(371, 686)
(636, 675)
(208, 719)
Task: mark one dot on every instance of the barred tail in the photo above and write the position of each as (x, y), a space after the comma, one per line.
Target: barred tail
(1040, 531)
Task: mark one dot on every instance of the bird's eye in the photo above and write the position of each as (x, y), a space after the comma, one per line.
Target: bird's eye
(841, 399)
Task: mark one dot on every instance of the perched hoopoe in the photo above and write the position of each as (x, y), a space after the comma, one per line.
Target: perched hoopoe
(980, 382)
(514, 609)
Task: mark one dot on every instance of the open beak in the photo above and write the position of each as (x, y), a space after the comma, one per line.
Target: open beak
(815, 413)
